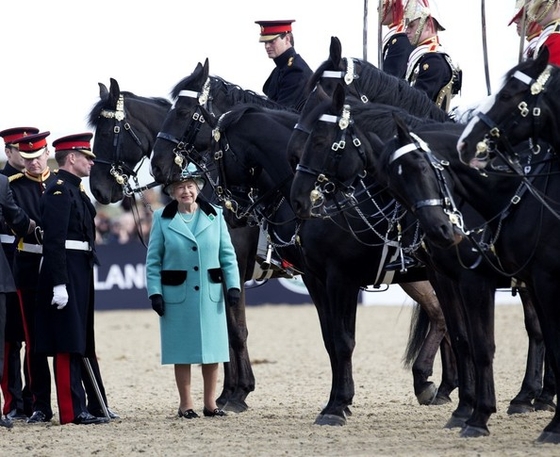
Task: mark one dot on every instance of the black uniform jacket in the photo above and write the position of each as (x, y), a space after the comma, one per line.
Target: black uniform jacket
(18, 221)
(395, 55)
(431, 74)
(66, 214)
(286, 83)
(27, 192)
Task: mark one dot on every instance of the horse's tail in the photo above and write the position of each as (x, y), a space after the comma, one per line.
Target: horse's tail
(419, 326)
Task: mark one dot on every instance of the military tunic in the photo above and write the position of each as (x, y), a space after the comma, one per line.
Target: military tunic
(396, 50)
(66, 214)
(430, 71)
(286, 84)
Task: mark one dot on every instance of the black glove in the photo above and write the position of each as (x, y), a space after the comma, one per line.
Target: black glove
(157, 304)
(232, 297)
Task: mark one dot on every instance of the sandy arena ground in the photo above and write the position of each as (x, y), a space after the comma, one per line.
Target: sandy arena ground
(293, 381)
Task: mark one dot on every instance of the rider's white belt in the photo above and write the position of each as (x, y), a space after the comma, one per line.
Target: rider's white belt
(7, 239)
(77, 245)
(33, 248)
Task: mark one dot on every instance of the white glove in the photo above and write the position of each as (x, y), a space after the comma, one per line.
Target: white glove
(60, 296)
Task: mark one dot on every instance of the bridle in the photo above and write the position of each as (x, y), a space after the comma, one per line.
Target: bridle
(497, 131)
(185, 144)
(119, 170)
(445, 200)
(348, 76)
(326, 182)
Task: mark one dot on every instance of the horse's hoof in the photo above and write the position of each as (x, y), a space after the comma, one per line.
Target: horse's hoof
(520, 408)
(428, 395)
(330, 419)
(456, 422)
(234, 406)
(469, 431)
(549, 437)
(544, 406)
(441, 399)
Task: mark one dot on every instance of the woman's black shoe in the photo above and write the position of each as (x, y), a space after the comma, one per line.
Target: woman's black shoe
(216, 412)
(187, 414)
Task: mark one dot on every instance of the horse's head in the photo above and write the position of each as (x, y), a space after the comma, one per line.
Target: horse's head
(417, 179)
(185, 134)
(518, 111)
(331, 151)
(125, 128)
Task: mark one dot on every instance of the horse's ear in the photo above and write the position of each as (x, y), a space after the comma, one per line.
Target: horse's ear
(103, 91)
(114, 90)
(338, 98)
(402, 128)
(206, 69)
(335, 52)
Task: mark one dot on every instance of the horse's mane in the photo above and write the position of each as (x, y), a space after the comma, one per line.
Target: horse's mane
(377, 118)
(95, 113)
(381, 87)
(233, 93)
(286, 117)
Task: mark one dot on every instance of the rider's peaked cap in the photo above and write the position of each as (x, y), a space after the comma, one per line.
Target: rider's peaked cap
(31, 146)
(77, 142)
(270, 30)
(13, 133)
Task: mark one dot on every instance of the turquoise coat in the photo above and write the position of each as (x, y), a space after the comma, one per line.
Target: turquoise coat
(184, 267)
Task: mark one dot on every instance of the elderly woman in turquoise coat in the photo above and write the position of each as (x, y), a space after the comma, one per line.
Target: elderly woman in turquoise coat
(190, 262)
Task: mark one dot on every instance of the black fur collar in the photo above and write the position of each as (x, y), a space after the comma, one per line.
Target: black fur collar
(171, 208)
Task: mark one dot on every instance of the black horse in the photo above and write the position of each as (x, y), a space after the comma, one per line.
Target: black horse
(198, 97)
(523, 230)
(337, 256)
(525, 108)
(344, 168)
(126, 126)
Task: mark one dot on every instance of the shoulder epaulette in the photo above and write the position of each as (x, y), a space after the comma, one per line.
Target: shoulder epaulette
(16, 176)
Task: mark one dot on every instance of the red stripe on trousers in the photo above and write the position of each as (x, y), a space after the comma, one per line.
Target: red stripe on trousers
(64, 387)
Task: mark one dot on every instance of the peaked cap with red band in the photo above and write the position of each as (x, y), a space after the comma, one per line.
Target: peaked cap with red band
(78, 142)
(270, 30)
(10, 135)
(31, 146)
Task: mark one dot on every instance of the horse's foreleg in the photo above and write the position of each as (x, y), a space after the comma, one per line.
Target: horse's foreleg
(336, 306)
(532, 381)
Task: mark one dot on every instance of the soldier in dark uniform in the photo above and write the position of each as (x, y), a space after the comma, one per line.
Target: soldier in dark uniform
(287, 82)
(20, 223)
(396, 46)
(429, 68)
(27, 187)
(66, 292)
(17, 397)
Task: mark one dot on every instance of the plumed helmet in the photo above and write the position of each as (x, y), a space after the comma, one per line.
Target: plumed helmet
(538, 9)
(421, 9)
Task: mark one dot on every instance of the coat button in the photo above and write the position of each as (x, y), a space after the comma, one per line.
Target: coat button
(195, 268)
(194, 248)
(196, 288)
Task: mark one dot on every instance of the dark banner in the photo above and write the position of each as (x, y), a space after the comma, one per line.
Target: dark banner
(120, 281)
